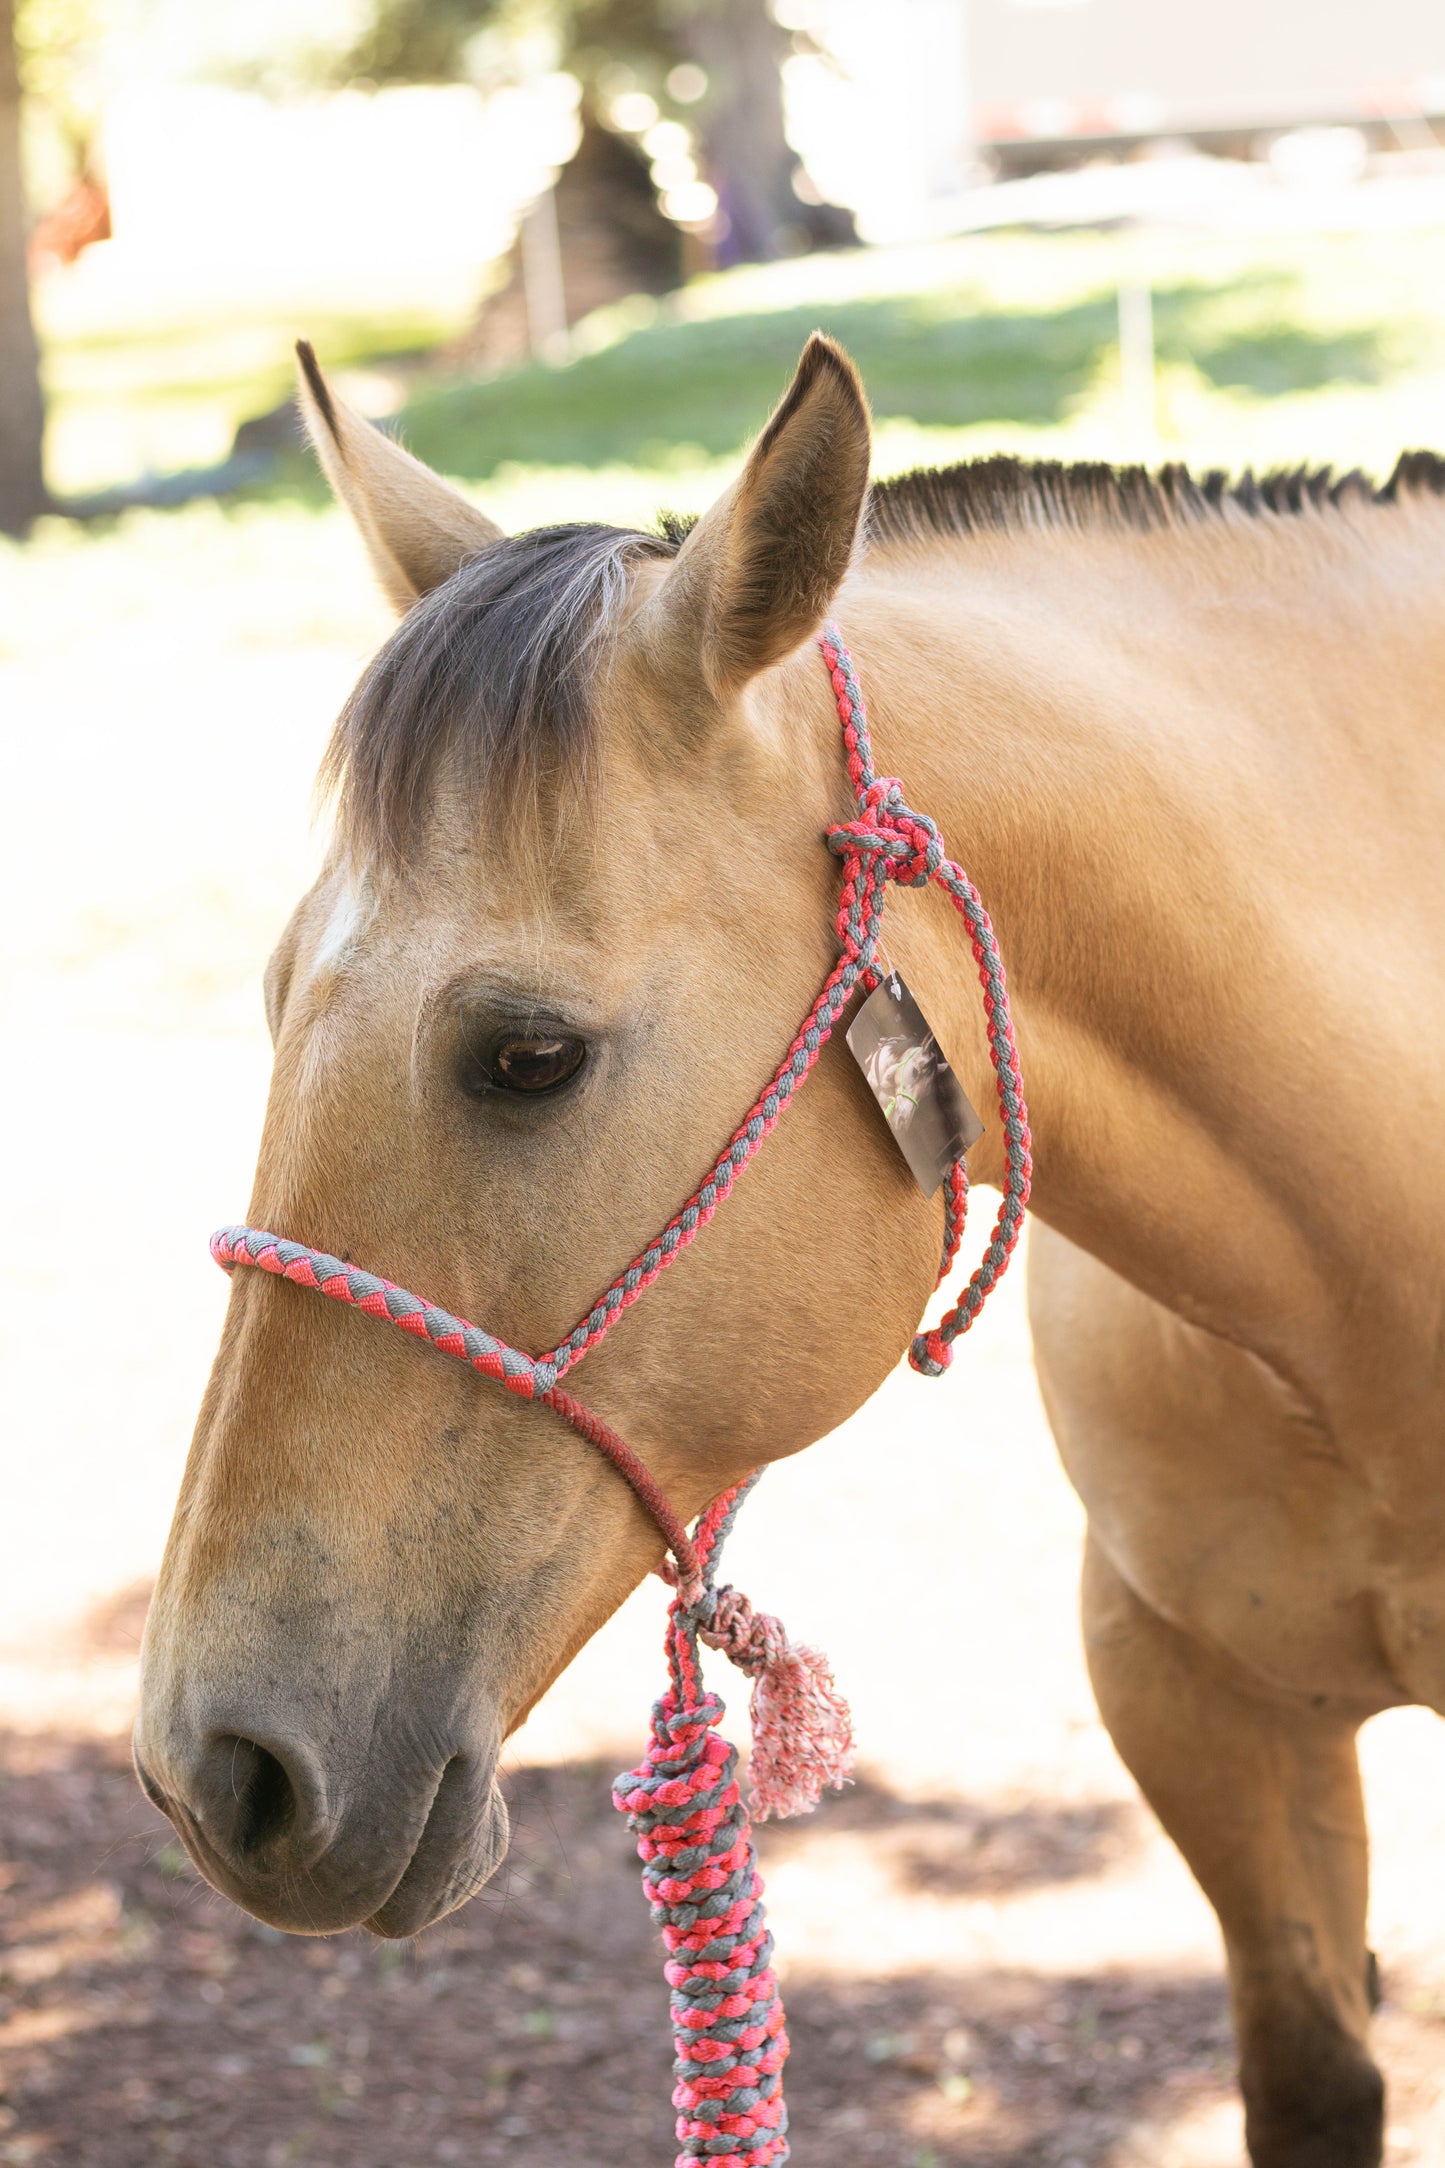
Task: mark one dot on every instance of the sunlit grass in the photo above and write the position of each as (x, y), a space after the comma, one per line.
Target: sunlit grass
(132, 395)
(993, 339)
(1269, 348)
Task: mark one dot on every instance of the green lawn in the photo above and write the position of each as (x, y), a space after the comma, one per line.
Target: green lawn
(952, 355)
(1269, 351)
(157, 393)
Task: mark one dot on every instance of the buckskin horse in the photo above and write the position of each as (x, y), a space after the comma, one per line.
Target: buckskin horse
(1185, 736)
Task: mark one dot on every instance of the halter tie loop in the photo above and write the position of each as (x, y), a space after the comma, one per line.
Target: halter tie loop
(887, 832)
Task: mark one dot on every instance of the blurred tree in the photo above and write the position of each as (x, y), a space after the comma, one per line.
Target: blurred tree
(600, 236)
(747, 156)
(715, 69)
(22, 406)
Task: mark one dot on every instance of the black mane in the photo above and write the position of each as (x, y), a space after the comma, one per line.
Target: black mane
(1017, 495)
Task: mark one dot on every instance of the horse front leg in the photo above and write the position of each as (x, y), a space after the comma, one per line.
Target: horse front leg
(1263, 1800)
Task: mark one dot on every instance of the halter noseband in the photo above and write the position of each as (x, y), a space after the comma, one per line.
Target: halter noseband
(684, 1802)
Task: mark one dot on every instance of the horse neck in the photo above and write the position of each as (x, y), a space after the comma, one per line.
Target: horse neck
(1121, 737)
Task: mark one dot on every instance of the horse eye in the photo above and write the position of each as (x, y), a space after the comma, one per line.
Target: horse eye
(536, 1065)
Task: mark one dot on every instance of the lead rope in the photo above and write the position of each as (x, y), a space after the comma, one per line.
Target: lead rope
(684, 1802)
(700, 1874)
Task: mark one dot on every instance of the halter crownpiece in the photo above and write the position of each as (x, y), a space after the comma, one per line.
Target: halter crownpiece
(684, 1802)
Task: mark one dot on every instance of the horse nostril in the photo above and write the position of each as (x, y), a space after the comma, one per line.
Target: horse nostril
(250, 1799)
(265, 1801)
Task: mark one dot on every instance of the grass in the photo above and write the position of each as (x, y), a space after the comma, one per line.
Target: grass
(168, 390)
(953, 356)
(1001, 338)
(1273, 348)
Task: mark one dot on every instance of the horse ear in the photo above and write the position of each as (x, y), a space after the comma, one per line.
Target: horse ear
(416, 528)
(758, 572)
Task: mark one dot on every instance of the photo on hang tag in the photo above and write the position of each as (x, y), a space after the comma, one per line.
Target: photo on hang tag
(909, 1075)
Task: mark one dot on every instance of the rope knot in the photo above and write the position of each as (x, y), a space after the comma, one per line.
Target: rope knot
(802, 1726)
(694, 1598)
(930, 1355)
(751, 1639)
(886, 828)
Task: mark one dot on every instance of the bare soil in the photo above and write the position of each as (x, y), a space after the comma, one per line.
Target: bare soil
(143, 2020)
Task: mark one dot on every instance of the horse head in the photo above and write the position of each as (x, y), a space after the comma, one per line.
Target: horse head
(577, 900)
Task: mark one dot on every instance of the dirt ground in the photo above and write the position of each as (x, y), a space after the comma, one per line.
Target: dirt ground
(145, 2021)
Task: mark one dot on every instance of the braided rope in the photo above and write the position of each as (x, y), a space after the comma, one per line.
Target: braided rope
(891, 842)
(509, 1366)
(684, 1802)
(932, 1352)
(700, 1872)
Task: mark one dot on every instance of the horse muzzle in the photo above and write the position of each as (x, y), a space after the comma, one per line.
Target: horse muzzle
(313, 1834)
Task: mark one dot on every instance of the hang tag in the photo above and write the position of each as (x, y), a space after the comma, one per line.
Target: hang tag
(908, 1074)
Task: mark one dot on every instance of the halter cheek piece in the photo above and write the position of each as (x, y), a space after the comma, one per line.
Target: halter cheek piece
(684, 1802)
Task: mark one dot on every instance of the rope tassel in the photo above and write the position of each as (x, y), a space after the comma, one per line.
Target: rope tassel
(802, 1726)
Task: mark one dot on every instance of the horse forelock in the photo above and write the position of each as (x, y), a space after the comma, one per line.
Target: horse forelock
(488, 679)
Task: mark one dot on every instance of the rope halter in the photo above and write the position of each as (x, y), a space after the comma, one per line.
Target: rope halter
(683, 1802)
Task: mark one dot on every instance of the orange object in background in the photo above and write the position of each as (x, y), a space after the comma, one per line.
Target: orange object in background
(82, 216)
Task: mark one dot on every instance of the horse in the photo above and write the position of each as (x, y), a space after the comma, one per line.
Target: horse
(1184, 734)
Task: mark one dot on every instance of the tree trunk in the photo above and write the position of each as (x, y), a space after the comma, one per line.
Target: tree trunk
(22, 408)
(748, 158)
(613, 240)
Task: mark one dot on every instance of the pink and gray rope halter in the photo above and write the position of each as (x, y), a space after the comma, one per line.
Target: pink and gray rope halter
(683, 1802)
